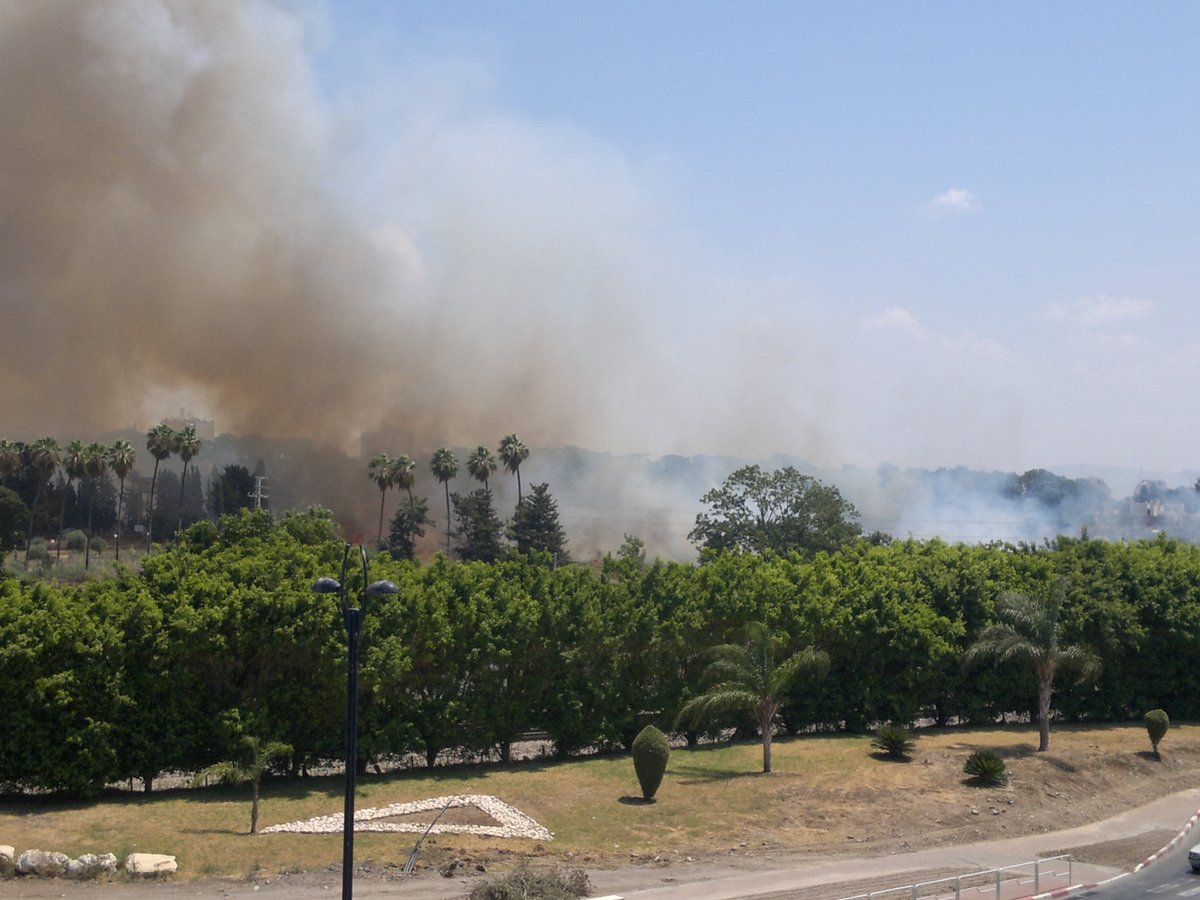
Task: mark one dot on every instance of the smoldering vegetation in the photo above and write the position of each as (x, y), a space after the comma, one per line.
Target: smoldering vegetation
(602, 497)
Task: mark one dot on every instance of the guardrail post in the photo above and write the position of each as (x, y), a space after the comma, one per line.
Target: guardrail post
(1037, 876)
(958, 887)
(997, 884)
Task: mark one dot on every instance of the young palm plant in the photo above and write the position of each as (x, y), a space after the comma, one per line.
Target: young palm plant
(256, 758)
(747, 677)
(893, 741)
(1028, 633)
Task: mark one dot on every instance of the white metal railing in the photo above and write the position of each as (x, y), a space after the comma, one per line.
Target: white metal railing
(1006, 883)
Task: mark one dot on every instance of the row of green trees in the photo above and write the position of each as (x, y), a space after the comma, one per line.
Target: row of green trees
(222, 636)
(31, 469)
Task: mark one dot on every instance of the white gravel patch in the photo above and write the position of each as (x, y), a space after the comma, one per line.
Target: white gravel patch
(511, 821)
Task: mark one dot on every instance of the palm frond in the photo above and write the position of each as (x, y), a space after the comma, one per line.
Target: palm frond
(720, 702)
(226, 772)
(809, 663)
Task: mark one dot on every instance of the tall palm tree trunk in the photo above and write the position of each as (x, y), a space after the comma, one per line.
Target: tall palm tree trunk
(37, 498)
(117, 533)
(182, 482)
(150, 513)
(62, 517)
(254, 809)
(87, 546)
(1045, 690)
(765, 713)
(446, 485)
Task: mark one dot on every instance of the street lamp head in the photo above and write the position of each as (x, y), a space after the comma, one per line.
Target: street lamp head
(327, 586)
(382, 587)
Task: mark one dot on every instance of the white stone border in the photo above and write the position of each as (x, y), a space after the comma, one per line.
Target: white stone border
(512, 822)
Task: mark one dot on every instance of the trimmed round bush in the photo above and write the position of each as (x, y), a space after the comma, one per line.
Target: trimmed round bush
(1157, 724)
(986, 768)
(894, 741)
(650, 753)
(99, 545)
(39, 550)
(75, 540)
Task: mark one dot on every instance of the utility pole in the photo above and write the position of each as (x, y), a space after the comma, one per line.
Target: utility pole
(258, 496)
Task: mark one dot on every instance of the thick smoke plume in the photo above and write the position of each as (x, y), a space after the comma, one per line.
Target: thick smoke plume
(176, 230)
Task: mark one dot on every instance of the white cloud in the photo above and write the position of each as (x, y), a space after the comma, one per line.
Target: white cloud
(896, 318)
(1092, 312)
(955, 200)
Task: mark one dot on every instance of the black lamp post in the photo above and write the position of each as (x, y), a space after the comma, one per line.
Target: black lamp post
(352, 617)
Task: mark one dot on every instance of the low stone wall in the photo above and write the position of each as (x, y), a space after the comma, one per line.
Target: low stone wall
(50, 864)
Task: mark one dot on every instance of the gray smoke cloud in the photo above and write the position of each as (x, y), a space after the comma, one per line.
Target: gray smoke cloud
(182, 223)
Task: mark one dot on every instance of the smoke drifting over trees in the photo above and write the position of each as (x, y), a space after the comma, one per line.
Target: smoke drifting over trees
(171, 233)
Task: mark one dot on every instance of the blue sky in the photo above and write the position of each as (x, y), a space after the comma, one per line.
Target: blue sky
(919, 233)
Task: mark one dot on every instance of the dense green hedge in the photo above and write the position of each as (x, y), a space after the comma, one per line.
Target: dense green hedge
(163, 669)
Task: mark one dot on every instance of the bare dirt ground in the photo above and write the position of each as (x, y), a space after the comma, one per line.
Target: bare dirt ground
(1087, 776)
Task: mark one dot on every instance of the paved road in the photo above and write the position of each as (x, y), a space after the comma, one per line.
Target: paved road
(1169, 875)
(735, 880)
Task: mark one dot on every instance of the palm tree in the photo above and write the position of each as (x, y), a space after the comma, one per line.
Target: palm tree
(257, 757)
(444, 466)
(44, 456)
(1028, 633)
(481, 464)
(187, 445)
(121, 458)
(404, 473)
(381, 470)
(95, 467)
(10, 458)
(160, 441)
(74, 465)
(512, 454)
(10, 464)
(746, 677)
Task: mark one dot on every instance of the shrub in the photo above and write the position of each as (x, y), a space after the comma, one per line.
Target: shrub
(650, 752)
(38, 550)
(526, 884)
(99, 545)
(1157, 724)
(894, 741)
(75, 540)
(986, 768)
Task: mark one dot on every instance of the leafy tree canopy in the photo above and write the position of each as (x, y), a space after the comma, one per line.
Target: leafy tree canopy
(783, 511)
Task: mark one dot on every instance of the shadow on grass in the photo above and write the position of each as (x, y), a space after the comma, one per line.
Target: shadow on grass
(1061, 764)
(701, 775)
(883, 756)
(1017, 751)
(636, 801)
